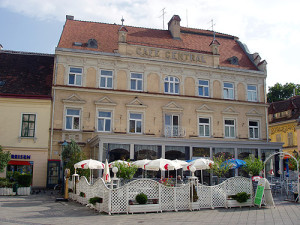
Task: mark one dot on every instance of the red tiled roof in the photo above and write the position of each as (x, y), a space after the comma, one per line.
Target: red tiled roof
(194, 40)
(24, 74)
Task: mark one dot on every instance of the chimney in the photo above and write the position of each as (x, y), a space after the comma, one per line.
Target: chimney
(174, 27)
(123, 34)
(69, 17)
(214, 45)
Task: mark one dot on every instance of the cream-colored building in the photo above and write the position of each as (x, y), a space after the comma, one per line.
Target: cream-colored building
(25, 109)
(126, 92)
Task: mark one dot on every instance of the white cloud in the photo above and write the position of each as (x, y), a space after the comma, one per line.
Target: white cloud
(268, 27)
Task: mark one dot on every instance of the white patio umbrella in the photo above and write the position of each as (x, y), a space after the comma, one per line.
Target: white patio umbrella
(162, 164)
(112, 164)
(106, 175)
(141, 163)
(199, 164)
(89, 164)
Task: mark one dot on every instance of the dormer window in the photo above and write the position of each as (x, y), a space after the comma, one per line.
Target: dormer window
(92, 43)
(233, 60)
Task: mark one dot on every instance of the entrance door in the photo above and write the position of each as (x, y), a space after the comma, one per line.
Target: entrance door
(53, 173)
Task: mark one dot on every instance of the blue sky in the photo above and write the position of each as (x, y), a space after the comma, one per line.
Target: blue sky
(271, 28)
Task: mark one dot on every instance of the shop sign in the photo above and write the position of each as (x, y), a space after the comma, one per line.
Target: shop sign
(13, 156)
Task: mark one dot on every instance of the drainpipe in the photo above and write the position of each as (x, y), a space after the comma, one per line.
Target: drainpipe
(266, 111)
(53, 103)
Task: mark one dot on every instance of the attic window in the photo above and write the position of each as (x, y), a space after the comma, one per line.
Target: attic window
(77, 44)
(92, 43)
(2, 82)
(233, 60)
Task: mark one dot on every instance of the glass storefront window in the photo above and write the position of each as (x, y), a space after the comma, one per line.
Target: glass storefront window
(177, 152)
(200, 152)
(147, 152)
(245, 152)
(116, 152)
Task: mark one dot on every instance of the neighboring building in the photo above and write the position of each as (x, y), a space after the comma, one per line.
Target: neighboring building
(131, 93)
(284, 126)
(25, 109)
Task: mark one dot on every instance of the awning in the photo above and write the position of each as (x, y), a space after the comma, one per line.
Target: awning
(23, 163)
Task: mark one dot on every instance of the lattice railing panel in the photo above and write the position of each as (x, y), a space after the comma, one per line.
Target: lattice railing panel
(204, 196)
(182, 197)
(146, 186)
(167, 198)
(119, 202)
(218, 193)
(238, 184)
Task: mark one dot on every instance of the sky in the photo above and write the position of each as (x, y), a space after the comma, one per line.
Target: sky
(269, 27)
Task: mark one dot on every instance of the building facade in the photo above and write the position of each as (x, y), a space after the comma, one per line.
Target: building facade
(25, 109)
(126, 92)
(284, 126)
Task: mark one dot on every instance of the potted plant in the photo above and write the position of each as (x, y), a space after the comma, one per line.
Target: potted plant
(142, 206)
(238, 200)
(24, 182)
(6, 187)
(96, 202)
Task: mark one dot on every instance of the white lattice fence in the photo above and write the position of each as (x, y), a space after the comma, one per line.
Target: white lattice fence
(204, 196)
(238, 184)
(119, 202)
(167, 198)
(218, 194)
(182, 197)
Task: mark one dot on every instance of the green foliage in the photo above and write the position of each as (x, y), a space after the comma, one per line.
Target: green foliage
(241, 197)
(4, 159)
(141, 198)
(95, 200)
(4, 182)
(282, 92)
(293, 163)
(195, 195)
(82, 194)
(253, 165)
(72, 154)
(124, 171)
(217, 168)
(24, 180)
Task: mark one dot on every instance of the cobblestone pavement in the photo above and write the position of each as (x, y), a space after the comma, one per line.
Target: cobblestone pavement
(42, 209)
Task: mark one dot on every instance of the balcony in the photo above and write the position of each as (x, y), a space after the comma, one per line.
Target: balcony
(174, 131)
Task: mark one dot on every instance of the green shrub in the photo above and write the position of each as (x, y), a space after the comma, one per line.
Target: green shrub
(95, 200)
(141, 198)
(82, 194)
(24, 180)
(6, 183)
(241, 197)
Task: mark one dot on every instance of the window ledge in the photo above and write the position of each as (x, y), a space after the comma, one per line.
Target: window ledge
(20, 138)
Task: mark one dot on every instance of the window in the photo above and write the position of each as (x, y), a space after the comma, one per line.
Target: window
(135, 123)
(106, 79)
(229, 128)
(228, 91)
(290, 139)
(136, 81)
(172, 125)
(171, 85)
(104, 121)
(28, 125)
(73, 119)
(75, 76)
(203, 88)
(252, 93)
(253, 130)
(204, 127)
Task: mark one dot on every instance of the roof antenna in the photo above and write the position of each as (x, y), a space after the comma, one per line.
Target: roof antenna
(122, 20)
(212, 28)
(163, 16)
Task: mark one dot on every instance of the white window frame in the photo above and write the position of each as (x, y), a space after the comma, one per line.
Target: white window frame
(204, 125)
(252, 94)
(104, 119)
(253, 128)
(136, 81)
(76, 76)
(230, 127)
(135, 122)
(73, 116)
(228, 90)
(106, 78)
(203, 86)
(35, 126)
(171, 83)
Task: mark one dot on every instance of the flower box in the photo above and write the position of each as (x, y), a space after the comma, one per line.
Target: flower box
(6, 191)
(144, 208)
(24, 191)
(234, 203)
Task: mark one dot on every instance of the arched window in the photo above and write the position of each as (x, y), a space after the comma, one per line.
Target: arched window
(171, 85)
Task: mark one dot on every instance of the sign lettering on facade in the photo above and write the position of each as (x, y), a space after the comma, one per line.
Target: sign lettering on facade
(13, 156)
(170, 55)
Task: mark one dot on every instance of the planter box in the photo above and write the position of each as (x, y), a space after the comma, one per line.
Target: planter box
(98, 207)
(6, 191)
(24, 191)
(233, 203)
(144, 208)
(194, 206)
(82, 200)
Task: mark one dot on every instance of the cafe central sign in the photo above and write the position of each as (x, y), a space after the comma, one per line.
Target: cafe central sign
(170, 55)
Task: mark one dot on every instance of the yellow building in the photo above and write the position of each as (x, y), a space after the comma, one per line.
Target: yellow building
(125, 92)
(25, 108)
(284, 124)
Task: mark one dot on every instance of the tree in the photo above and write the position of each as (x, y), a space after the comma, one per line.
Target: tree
(4, 159)
(253, 165)
(281, 92)
(218, 167)
(72, 154)
(124, 171)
